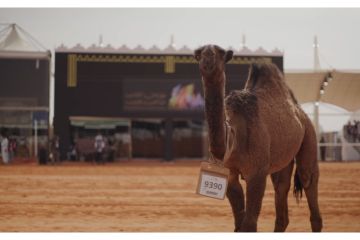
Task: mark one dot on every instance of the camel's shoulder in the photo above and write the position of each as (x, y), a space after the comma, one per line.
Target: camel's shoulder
(242, 102)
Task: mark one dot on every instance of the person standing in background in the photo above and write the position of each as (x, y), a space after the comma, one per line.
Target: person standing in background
(54, 150)
(12, 148)
(5, 148)
(99, 148)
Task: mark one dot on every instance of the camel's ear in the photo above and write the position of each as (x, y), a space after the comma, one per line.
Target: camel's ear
(228, 56)
(197, 53)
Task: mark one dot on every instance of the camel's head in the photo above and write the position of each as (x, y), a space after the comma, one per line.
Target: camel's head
(212, 59)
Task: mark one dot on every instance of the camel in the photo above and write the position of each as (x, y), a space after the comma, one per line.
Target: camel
(257, 131)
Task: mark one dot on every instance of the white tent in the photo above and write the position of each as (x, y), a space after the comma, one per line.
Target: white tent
(16, 43)
(331, 117)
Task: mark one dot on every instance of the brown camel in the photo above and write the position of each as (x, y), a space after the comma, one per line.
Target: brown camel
(266, 132)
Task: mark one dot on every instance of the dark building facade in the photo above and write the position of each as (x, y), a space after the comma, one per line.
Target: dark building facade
(24, 100)
(153, 100)
(24, 90)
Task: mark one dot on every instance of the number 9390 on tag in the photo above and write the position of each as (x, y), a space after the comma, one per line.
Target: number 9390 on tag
(213, 181)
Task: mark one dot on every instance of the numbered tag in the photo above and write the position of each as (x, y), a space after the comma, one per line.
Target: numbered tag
(213, 180)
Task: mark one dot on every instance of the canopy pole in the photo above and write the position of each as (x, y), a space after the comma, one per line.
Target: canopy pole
(316, 120)
(317, 126)
(130, 155)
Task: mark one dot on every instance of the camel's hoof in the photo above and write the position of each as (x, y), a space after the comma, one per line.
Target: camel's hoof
(316, 226)
(248, 227)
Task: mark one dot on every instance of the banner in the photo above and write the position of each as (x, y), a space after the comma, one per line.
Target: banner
(162, 94)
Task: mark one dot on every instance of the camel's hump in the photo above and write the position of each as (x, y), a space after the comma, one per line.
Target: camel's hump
(263, 71)
(243, 102)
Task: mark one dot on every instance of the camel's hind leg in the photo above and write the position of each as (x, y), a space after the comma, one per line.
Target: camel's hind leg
(235, 195)
(308, 170)
(282, 181)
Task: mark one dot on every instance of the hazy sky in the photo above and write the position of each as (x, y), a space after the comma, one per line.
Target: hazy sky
(290, 30)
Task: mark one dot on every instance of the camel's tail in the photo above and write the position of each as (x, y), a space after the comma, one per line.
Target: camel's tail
(298, 187)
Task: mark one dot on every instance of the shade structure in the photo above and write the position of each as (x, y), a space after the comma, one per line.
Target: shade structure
(341, 89)
(305, 85)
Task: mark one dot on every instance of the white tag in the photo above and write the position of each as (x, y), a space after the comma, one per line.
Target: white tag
(212, 186)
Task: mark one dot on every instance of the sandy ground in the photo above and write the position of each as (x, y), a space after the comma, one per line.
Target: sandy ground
(153, 197)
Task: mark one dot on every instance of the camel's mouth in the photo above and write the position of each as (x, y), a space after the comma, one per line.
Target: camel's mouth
(208, 65)
(207, 68)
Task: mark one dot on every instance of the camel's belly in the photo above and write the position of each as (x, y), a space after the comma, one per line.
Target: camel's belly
(274, 143)
(284, 146)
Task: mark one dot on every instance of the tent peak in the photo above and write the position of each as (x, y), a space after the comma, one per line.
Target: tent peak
(15, 42)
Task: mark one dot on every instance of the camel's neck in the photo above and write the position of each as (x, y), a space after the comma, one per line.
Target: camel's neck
(214, 92)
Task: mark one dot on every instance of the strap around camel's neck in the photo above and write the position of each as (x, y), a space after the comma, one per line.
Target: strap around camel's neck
(215, 160)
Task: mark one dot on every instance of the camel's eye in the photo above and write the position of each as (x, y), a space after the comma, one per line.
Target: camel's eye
(197, 56)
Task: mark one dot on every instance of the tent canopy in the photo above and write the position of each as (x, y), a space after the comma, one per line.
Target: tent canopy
(341, 88)
(15, 42)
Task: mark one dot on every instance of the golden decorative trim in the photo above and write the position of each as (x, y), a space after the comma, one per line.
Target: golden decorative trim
(249, 60)
(120, 58)
(169, 61)
(158, 59)
(185, 59)
(72, 70)
(169, 64)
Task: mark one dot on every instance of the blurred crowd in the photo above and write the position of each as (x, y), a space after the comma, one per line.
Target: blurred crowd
(100, 149)
(353, 130)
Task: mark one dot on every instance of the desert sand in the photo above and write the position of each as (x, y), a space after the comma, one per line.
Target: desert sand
(151, 196)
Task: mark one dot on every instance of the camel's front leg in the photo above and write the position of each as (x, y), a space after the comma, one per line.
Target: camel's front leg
(254, 195)
(235, 195)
